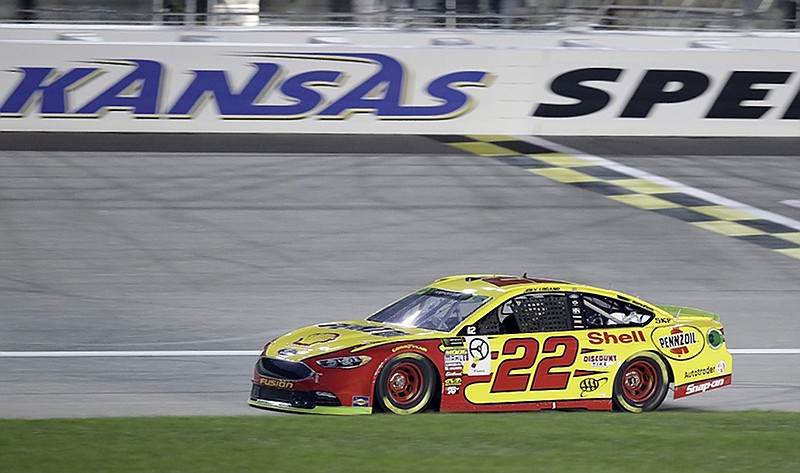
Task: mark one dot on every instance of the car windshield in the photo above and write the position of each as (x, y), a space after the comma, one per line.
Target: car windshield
(430, 308)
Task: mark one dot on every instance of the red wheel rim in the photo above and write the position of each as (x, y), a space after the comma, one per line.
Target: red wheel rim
(640, 381)
(405, 383)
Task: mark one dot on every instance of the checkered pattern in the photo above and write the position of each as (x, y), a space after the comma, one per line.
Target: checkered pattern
(640, 193)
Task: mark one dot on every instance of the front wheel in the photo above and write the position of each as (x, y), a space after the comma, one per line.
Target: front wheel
(406, 384)
(641, 383)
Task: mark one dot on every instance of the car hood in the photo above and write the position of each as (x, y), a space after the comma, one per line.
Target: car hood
(330, 337)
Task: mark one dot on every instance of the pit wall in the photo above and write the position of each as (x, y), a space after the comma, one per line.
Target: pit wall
(556, 83)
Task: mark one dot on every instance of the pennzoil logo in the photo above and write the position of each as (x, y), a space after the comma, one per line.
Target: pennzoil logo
(316, 338)
(679, 342)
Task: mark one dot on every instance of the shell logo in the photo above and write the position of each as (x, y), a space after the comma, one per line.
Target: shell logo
(316, 338)
(680, 342)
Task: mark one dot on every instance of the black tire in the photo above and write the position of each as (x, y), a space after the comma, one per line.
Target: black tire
(641, 383)
(406, 384)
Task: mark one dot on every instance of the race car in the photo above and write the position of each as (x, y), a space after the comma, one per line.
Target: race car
(496, 343)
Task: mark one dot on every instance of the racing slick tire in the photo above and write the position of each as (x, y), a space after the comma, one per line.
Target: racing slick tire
(406, 384)
(641, 383)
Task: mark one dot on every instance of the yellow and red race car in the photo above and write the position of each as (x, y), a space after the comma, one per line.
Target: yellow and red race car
(497, 343)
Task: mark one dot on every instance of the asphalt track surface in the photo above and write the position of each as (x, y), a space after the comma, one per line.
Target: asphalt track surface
(108, 246)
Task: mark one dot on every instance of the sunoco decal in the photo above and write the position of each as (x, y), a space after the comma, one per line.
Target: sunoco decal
(679, 342)
(715, 338)
(271, 91)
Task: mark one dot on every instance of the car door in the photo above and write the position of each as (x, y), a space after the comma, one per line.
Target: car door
(523, 352)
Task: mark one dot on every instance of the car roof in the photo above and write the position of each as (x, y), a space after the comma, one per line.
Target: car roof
(501, 285)
(495, 284)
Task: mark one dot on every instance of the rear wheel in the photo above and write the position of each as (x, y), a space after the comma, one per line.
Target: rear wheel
(406, 384)
(641, 383)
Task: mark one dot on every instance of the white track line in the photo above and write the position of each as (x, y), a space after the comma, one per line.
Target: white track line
(644, 175)
(250, 353)
(765, 351)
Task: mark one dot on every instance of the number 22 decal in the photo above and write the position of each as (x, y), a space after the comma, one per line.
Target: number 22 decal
(511, 376)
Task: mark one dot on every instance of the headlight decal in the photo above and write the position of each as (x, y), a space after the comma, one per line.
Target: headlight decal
(344, 362)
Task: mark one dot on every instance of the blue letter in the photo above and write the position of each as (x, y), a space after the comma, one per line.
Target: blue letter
(54, 94)
(454, 102)
(390, 76)
(116, 98)
(216, 84)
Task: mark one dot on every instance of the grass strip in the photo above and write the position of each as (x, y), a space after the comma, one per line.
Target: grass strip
(521, 442)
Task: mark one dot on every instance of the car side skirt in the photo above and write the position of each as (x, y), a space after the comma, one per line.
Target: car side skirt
(587, 404)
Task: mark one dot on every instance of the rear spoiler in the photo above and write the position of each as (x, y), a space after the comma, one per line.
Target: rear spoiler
(678, 311)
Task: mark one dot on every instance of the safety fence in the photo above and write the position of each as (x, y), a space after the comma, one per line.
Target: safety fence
(494, 14)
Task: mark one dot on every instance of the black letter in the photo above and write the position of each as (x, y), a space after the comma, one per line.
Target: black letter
(569, 85)
(793, 112)
(651, 90)
(739, 88)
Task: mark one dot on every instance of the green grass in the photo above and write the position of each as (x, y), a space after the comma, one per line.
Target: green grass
(584, 442)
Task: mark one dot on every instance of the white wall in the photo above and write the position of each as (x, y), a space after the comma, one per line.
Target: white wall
(346, 88)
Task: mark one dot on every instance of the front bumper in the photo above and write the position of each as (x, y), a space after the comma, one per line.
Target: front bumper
(268, 397)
